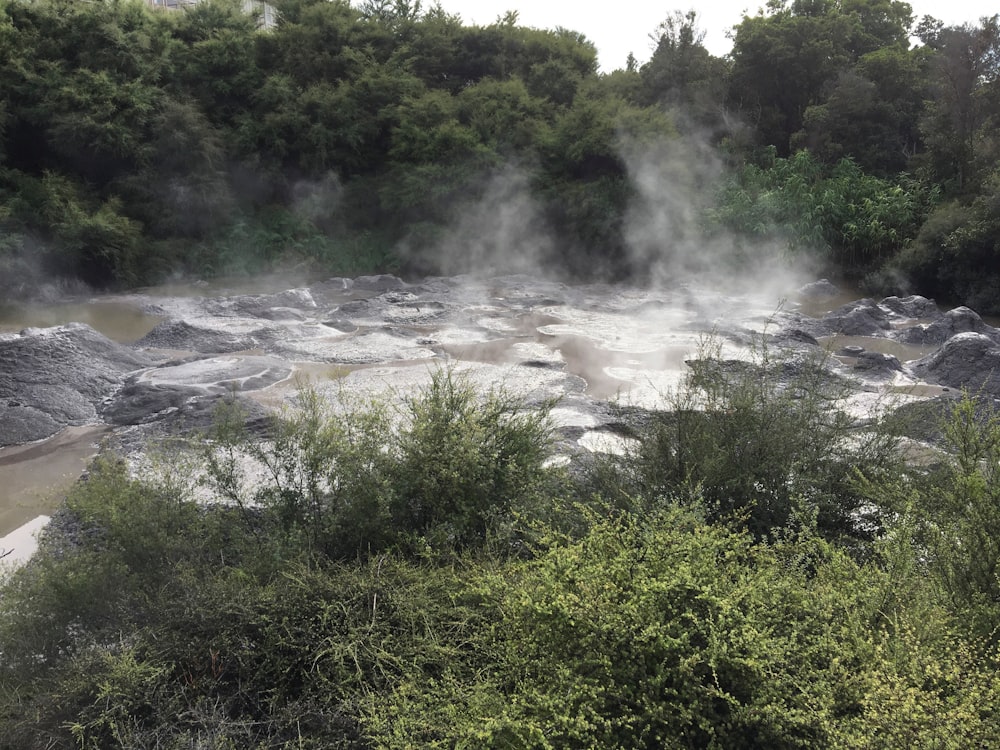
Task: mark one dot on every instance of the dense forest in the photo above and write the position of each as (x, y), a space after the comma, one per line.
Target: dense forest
(757, 570)
(136, 144)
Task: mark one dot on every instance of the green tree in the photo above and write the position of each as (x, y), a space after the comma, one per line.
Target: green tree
(959, 125)
(681, 73)
(818, 40)
(871, 113)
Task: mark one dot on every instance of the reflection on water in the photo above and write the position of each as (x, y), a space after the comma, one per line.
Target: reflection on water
(120, 321)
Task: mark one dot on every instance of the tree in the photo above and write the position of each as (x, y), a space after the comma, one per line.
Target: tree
(965, 79)
(784, 60)
(682, 74)
(871, 113)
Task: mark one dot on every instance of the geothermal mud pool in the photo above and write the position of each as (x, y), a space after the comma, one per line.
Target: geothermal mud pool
(143, 367)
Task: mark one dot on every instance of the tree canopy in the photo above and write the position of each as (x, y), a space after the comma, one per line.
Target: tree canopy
(135, 143)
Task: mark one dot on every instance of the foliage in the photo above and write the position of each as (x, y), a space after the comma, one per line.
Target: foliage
(954, 254)
(851, 218)
(952, 515)
(183, 141)
(800, 466)
(350, 597)
(818, 40)
(446, 474)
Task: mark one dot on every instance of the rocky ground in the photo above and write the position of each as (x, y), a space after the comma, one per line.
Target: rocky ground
(593, 347)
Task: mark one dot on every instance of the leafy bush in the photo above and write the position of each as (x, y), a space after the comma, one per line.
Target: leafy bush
(953, 515)
(447, 473)
(763, 442)
(853, 219)
(955, 253)
(149, 620)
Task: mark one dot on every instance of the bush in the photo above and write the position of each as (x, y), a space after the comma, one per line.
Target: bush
(763, 442)
(449, 472)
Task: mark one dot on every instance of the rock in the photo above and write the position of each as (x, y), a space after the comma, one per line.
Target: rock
(139, 402)
(913, 306)
(344, 326)
(861, 318)
(191, 419)
(219, 375)
(380, 283)
(25, 424)
(959, 320)
(877, 364)
(355, 307)
(177, 334)
(822, 289)
(966, 360)
(265, 306)
(51, 378)
(281, 313)
(793, 338)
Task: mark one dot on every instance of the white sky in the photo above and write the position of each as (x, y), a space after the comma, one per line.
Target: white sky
(618, 27)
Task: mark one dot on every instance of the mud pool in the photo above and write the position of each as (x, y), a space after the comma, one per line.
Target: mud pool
(145, 364)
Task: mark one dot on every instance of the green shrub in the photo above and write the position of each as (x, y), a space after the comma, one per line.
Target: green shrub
(763, 442)
(448, 472)
(954, 515)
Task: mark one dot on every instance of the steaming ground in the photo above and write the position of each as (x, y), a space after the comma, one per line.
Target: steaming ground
(595, 348)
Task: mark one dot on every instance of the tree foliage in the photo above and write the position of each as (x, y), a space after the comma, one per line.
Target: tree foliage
(192, 135)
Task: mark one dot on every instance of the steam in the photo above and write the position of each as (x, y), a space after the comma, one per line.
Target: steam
(501, 233)
(674, 183)
(666, 233)
(318, 201)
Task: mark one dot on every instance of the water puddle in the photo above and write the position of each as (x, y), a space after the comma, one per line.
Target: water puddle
(34, 478)
(902, 352)
(120, 321)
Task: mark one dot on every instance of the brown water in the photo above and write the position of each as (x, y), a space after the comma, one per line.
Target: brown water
(34, 478)
(120, 321)
(902, 352)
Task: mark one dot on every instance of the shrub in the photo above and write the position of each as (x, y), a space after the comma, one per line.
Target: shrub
(763, 442)
(448, 472)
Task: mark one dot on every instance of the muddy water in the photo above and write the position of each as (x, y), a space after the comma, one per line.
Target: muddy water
(34, 478)
(902, 352)
(119, 321)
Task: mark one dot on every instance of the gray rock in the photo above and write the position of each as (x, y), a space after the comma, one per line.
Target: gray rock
(794, 338)
(355, 307)
(25, 424)
(966, 360)
(877, 364)
(281, 313)
(380, 283)
(219, 375)
(176, 334)
(913, 306)
(51, 378)
(344, 326)
(951, 323)
(191, 419)
(822, 289)
(861, 318)
(139, 402)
